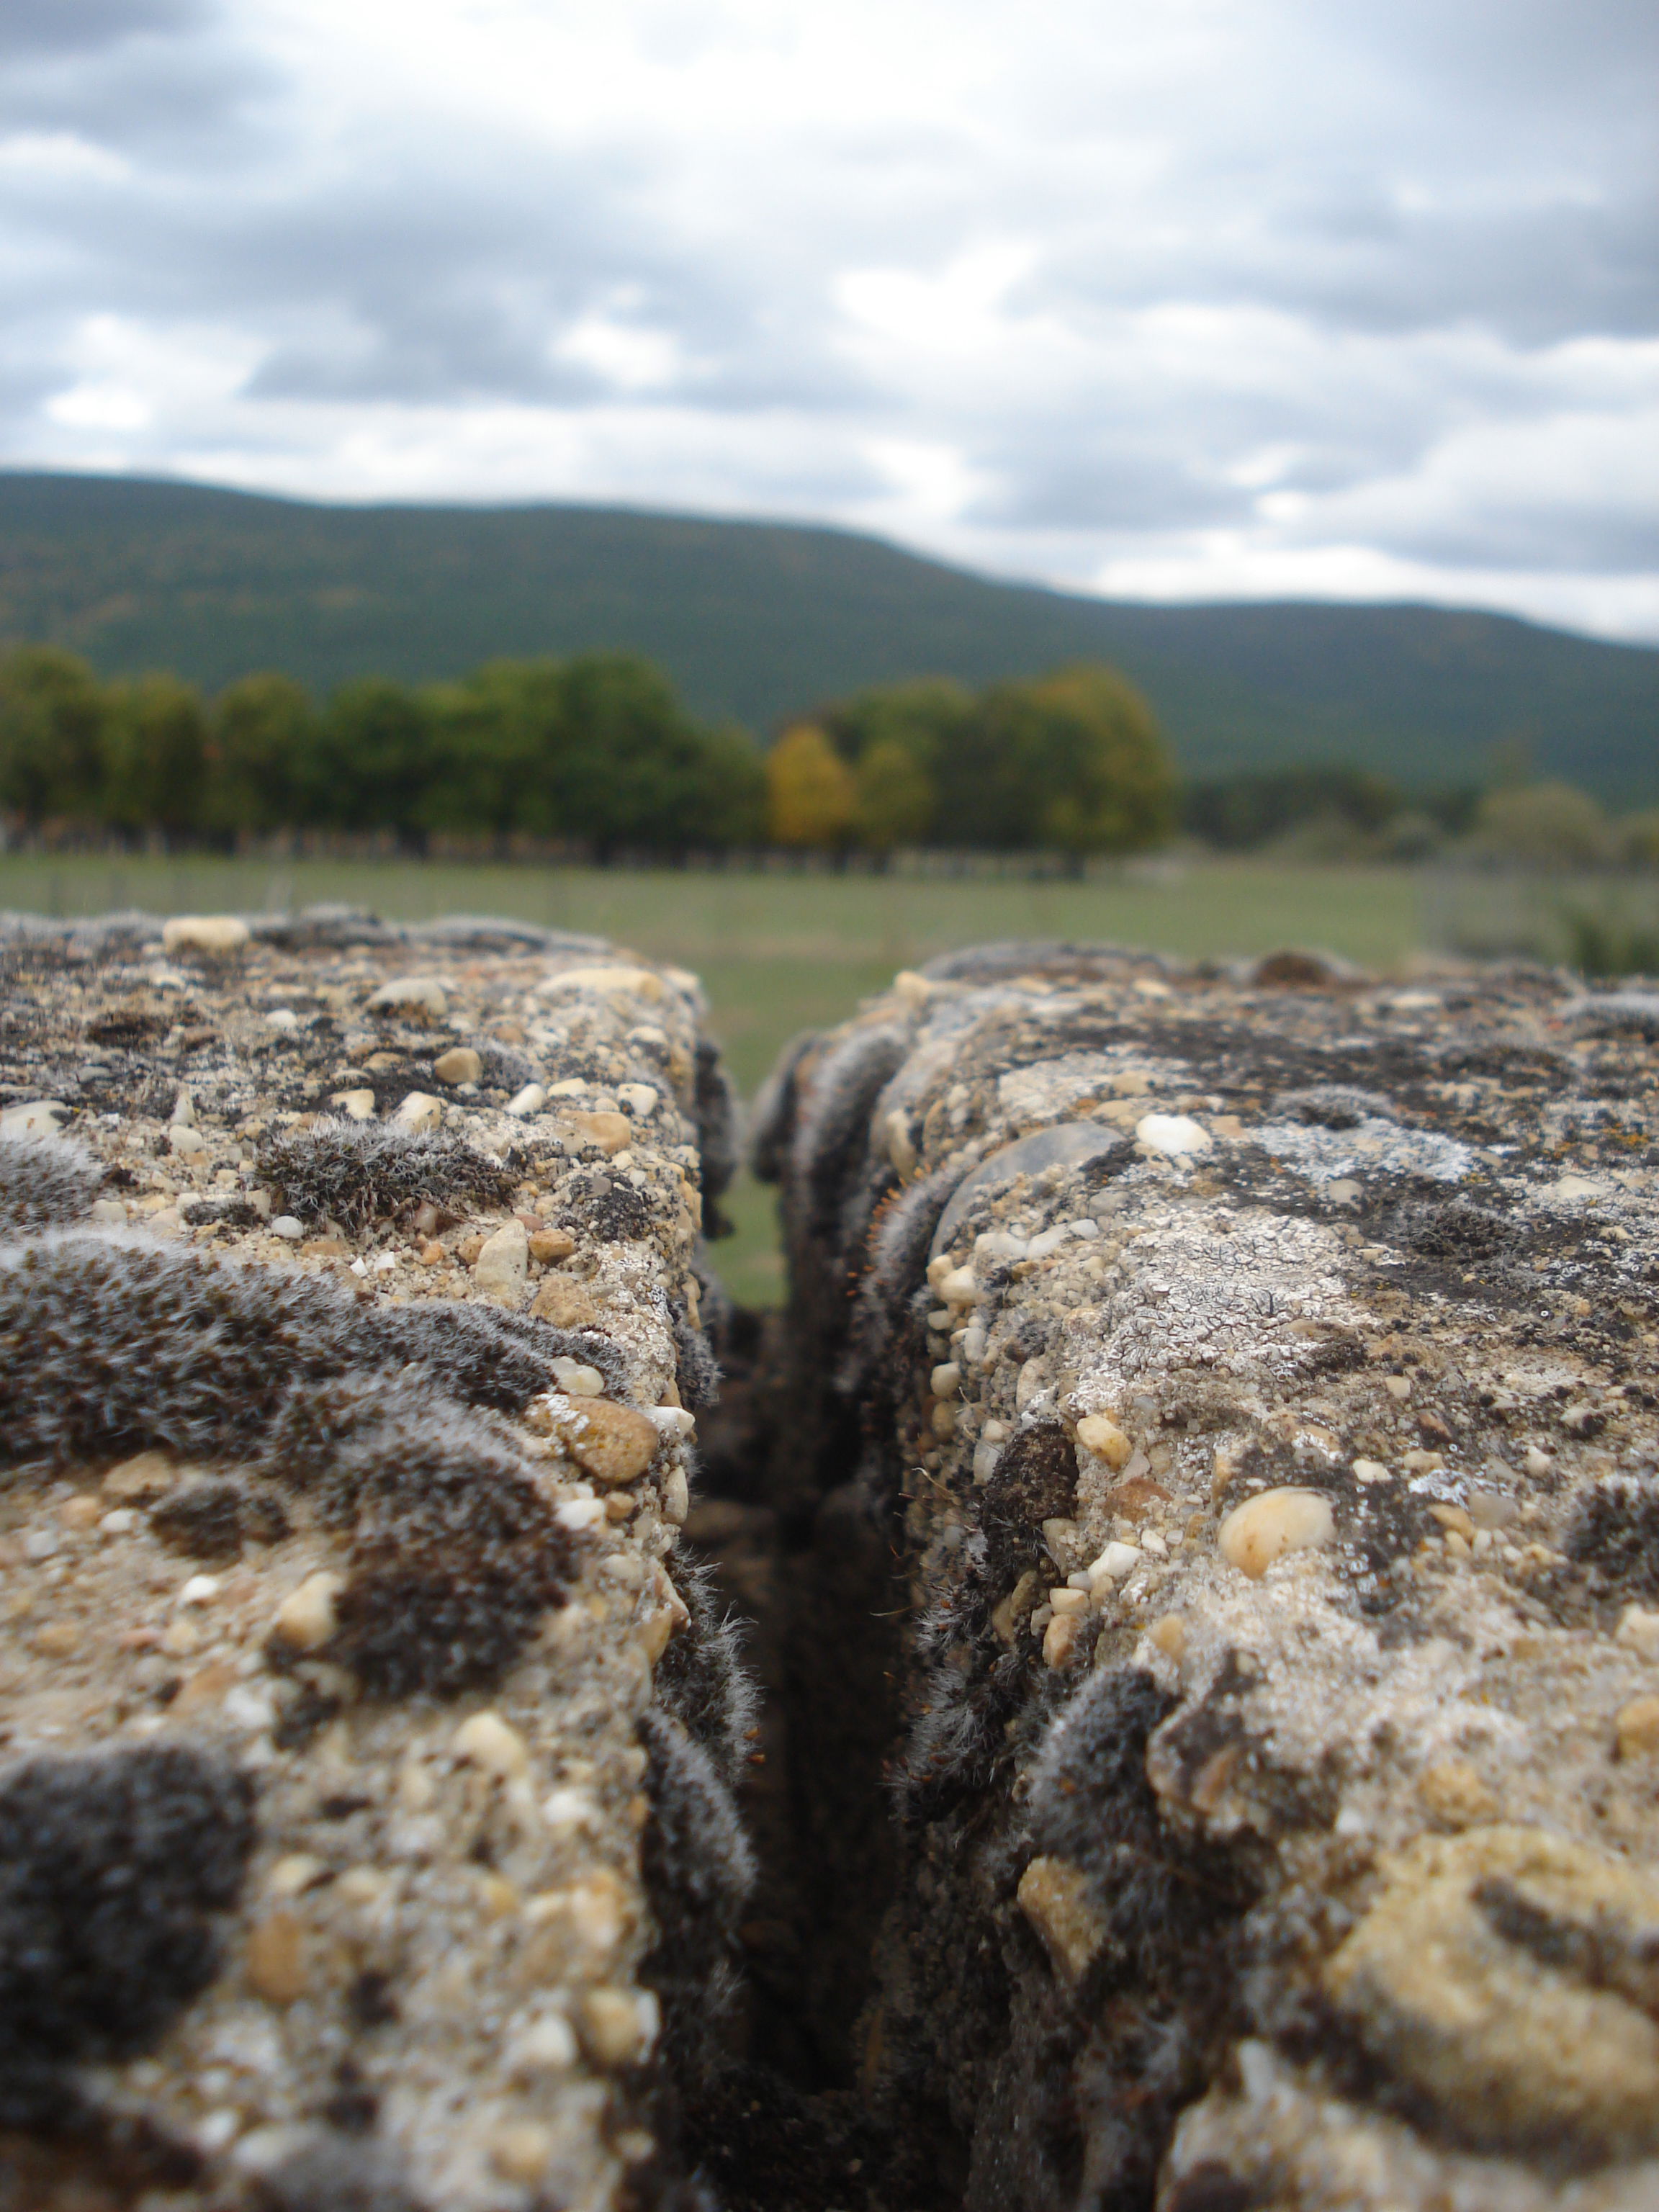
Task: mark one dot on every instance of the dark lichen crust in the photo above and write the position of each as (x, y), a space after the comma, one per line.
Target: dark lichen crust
(1250, 1380)
(351, 1857)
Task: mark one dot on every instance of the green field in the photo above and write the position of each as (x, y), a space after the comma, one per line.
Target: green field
(780, 953)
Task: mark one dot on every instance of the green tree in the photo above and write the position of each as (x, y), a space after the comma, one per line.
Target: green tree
(374, 759)
(811, 798)
(261, 751)
(54, 718)
(927, 715)
(894, 797)
(156, 755)
(1072, 763)
(1542, 825)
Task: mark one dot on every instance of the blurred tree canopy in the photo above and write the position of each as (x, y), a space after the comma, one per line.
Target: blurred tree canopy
(596, 750)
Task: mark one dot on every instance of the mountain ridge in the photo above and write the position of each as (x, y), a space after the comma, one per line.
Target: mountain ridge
(758, 620)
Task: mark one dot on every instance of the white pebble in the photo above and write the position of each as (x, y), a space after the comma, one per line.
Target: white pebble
(1117, 1560)
(282, 1017)
(998, 1244)
(200, 1589)
(39, 1118)
(547, 2045)
(425, 992)
(578, 1513)
(570, 1809)
(286, 1226)
(109, 1213)
(640, 1100)
(1174, 1135)
(121, 1523)
(959, 1287)
(360, 1268)
(986, 1457)
(530, 1100)
(945, 1380)
(579, 1381)
(205, 932)
(1049, 1241)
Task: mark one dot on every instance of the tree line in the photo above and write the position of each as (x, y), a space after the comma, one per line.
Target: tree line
(595, 752)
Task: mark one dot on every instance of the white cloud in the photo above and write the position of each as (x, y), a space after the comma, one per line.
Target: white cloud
(1226, 297)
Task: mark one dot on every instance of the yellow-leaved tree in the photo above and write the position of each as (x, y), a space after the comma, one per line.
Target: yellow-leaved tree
(810, 797)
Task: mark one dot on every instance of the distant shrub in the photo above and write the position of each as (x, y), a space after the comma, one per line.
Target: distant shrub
(1543, 825)
(811, 798)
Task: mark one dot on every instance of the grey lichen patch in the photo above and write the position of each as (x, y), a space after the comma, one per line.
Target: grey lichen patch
(339, 1818)
(1254, 1389)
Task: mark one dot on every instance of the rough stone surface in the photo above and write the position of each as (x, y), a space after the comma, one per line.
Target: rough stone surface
(1315, 1868)
(366, 1834)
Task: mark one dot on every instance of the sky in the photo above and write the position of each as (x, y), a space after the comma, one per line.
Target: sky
(1161, 298)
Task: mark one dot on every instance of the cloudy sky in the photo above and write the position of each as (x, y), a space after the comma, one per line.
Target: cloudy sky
(1192, 299)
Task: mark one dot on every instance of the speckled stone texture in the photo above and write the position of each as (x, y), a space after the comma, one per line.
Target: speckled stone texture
(367, 1838)
(1239, 1389)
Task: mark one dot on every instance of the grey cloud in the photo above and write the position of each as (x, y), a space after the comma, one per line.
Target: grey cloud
(77, 26)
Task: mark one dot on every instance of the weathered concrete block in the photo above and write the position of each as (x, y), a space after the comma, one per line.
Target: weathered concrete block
(365, 1827)
(1243, 1390)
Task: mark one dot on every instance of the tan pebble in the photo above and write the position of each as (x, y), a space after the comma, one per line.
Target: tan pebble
(621, 1505)
(1455, 1518)
(618, 2026)
(1169, 1636)
(639, 982)
(1521, 2049)
(1099, 1434)
(275, 1958)
(217, 933)
(1453, 1793)
(205, 1687)
(1054, 1895)
(1490, 1509)
(486, 1740)
(1638, 1631)
(1279, 1521)
(562, 1301)
(499, 1897)
(307, 1617)
(547, 1245)
(181, 1637)
(146, 1476)
(1371, 1470)
(294, 1874)
(656, 1629)
(611, 1132)
(1538, 1462)
(1062, 1642)
(81, 1511)
(522, 2151)
(421, 994)
(356, 1105)
(943, 1421)
(1398, 1386)
(901, 1146)
(1225, 1469)
(1016, 1606)
(364, 1884)
(419, 1113)
(460, 1064)
(1638, 1729)
(57, 1639)
(431, 1253)
(676, 1498)
(503, 1259)
(1067, 1600)
(959, 1288)
(610, 1442)
(416, 1787)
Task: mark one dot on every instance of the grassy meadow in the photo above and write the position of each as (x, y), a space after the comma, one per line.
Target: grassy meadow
(783, 953)
(780, 952)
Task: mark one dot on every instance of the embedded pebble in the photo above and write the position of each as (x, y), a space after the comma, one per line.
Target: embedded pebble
(216, 933)
(460, 1064)
(286, 1226)
(420, 994)
(419, 1113)
(308, 1617)
(1176, 1136)
(1099, 1434)
(487, 1741)
(1268, 1527)
(530, 1100)
(504, 1263)
(1054, 1895)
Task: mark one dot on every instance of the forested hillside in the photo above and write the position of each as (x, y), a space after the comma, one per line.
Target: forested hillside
(763, 621)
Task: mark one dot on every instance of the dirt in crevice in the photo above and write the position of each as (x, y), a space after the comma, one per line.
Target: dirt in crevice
(786, 2127)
